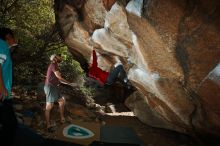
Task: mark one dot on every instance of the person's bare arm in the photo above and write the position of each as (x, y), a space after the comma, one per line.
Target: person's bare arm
(3, 91)
(58, 75)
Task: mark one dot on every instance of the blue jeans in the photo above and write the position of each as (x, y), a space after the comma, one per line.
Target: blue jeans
(117, 72)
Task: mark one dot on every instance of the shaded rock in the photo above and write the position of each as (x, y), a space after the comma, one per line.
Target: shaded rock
(110, 108)
(168, 52)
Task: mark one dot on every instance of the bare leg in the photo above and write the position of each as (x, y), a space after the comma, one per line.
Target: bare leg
(49, 106)
(61, 107)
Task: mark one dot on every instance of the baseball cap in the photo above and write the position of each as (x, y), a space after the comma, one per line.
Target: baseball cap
(52, 57)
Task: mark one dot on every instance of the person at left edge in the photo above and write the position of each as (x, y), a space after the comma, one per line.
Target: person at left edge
(8, 121)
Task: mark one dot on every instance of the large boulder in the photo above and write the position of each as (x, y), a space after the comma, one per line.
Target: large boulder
(170, 50)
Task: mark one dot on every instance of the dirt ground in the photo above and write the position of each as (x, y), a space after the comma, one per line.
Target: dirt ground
(104, 109)
(149, 135)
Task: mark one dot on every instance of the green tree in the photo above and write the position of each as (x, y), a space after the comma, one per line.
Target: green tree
(34, 24)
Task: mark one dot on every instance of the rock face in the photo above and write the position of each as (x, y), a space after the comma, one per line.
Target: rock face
(170, 49)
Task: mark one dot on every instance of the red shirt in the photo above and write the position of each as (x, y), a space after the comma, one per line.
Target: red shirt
(96, 72)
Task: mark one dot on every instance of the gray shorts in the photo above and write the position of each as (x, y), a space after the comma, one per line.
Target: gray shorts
(52, 93)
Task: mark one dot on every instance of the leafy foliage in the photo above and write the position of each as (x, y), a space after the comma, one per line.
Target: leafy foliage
(71, 69)
(33, 22)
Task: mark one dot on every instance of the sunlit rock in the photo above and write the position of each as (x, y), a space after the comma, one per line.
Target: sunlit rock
(109, 43)
(135, 7)
(170, 50)
(116, 22)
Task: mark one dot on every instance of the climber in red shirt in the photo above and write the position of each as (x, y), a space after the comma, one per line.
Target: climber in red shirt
(106, 78)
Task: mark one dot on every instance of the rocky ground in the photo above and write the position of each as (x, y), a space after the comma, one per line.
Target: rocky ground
(103, 107)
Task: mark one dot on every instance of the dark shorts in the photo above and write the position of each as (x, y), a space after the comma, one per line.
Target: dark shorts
(52, 93)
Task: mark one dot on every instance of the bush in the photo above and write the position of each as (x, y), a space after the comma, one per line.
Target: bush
(71, 70)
